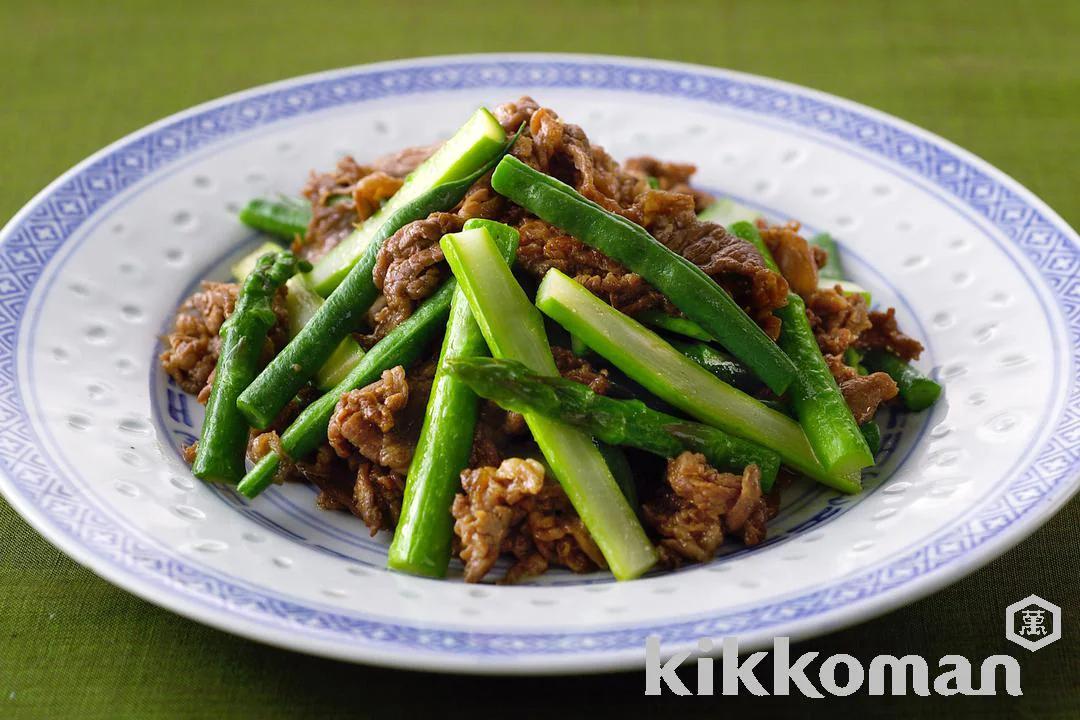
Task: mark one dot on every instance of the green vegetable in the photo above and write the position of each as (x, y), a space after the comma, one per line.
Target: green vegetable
(653, 182)
(219, 456)
(578, 347)
(285, 219)
(342, 313)
(422, 538)
(821, 409)
(679, 325)
(726, 211)
(718, 363)
(678, 380)
(872, 433)
(301, 303)
(515, 330)
(685, 284)
(243, 267)
(479, 140)
(403, 345)
(916, 390)
(619, 465)
(616, 422)
(833, 269)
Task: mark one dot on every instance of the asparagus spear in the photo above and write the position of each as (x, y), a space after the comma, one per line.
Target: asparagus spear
(402, 346)
(220, 453)
(515, 330)
(821, 409)
(421, 542)
(676, 379)
(685, 284)
(916, 390)
(616, 422)
(471, 148)
(301, 303)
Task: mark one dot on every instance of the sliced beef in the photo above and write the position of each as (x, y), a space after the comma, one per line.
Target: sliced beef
(863, 393)
(339, 200)
(580, 370)
(673, 177)
(514, 509)
(732, 262)
(836, 318)
(885, 335)
(382, 420)
(793, 256)
(544, 246)
(401, 163)
(698, 504)
(491, 503)
(410, 267)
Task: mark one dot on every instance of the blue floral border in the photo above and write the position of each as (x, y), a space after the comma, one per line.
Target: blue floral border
(30, 242)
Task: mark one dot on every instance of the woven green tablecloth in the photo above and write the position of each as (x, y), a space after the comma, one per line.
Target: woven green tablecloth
(1001, 79)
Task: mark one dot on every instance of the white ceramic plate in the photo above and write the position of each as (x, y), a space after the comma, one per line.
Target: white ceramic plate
(93, 267)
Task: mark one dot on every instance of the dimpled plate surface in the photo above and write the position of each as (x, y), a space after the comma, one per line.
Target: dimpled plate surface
(92, 269)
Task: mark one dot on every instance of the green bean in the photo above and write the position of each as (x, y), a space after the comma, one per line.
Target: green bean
(342, 313)
(282, 218)
(917, 391)
(819, 405)
(685, 284)
(422, 537)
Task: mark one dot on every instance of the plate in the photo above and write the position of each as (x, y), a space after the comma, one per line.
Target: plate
(92, 268)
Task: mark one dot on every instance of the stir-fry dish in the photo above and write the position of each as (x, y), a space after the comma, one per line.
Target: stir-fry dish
(511, 345)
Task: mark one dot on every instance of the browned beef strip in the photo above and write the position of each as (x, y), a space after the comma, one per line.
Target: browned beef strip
(670, 176)
(513, 508)
(401, 163)
(885, 335)
(580, 370)
(698, 505)
(836, 318)
(368, 420)
(410, 267)
(863, 393)
(732, 262)
(793, 255)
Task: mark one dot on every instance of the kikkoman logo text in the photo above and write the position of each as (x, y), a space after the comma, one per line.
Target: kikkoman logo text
(836, 674)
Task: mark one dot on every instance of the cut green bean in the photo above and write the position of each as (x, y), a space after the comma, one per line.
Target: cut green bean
(917, 391)
(219, 456)
(685, 284)
(403, 345)
(718, 363)
(678, 325)
(665, 372)
(515, 330)
(872, 433)
(282, 218)
(833, 269)
(421, 544)
(823, 414)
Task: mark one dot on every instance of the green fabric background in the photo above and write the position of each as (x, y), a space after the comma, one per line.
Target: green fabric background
(1001, 79)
